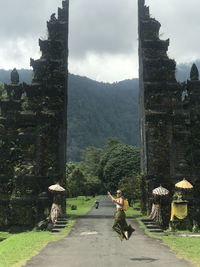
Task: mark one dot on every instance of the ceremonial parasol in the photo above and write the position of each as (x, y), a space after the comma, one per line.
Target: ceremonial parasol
(184, 184)
(160, 191)
(56, 188)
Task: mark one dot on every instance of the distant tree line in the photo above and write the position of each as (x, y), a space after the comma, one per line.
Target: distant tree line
(114, 166)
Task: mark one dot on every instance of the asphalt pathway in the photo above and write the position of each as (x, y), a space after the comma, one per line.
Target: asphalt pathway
(92, 243)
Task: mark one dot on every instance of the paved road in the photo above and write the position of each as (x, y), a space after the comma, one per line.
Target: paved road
(92, 243)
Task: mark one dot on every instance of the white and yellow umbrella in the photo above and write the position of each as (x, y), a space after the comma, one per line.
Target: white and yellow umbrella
(184, 184)
(56, 188)
(160, 191)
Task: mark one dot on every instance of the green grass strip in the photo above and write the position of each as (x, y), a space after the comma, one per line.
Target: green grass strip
(83, 204)
(187, 247)
(134, 211)
(18, 248)
(15, 250)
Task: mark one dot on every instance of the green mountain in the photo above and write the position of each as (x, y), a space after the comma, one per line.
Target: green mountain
(96, 111)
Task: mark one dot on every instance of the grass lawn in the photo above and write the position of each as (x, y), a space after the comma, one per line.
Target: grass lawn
(186, 247)
(17, 248)
(4, 235)
(83, 204)
(134, 211)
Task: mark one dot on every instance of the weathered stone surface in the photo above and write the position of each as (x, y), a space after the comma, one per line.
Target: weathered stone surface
(33, 131)
(169, 112)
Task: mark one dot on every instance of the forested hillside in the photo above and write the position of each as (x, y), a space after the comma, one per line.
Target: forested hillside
(96, 111)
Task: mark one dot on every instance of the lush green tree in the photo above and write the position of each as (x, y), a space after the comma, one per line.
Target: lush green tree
(70, 166)
(117, 162)
(102, 170)
(83, 175)
(94, 187)
(111, 142)
(90, 162)
(131, 187)
(76, 183)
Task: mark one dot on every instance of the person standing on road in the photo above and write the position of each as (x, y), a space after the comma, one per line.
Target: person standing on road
(120, 225)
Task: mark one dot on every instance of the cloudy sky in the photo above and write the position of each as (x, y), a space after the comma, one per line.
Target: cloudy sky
(103, 34)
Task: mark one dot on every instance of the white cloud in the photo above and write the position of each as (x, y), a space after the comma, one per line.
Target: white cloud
(180, 21)
(18, 54)
(102, 26)
(106, 67)
(103, 33)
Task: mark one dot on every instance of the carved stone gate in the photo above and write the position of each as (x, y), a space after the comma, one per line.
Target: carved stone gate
(169, 111)
(33, 126)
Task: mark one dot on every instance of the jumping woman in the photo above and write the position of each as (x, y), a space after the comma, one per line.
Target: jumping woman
(120, 225)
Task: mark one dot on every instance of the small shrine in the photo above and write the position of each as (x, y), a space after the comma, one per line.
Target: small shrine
(181, 207)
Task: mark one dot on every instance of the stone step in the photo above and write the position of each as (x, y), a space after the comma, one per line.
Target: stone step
(61, 219)
(61, 222)
(151, 226)
(157, 230)
(59, 226)
(147, 220)
(149, 223)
